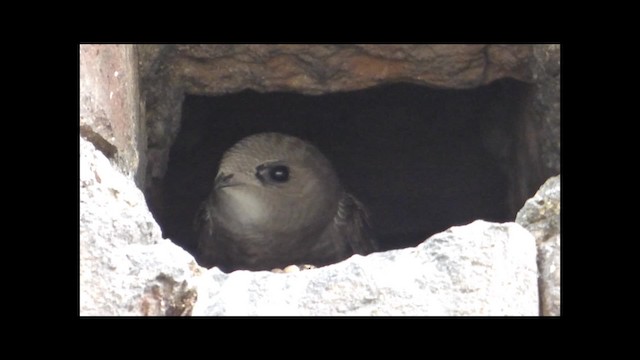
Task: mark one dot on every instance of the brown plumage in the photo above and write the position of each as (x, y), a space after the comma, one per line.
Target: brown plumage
(277, 201)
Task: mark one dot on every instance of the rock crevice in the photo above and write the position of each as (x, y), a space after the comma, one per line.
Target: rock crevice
(130, 114)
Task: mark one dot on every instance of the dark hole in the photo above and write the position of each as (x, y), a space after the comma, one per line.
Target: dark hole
(420, 159)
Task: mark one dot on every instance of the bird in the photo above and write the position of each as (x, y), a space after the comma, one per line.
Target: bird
(276, 201)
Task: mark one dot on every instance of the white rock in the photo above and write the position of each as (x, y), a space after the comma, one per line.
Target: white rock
(126, 268)
(478, 269)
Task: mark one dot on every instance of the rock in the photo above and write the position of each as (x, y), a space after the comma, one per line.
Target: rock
(541, 216)
(126, 268)
(216, 69)
(479, 269)
(110, 108)
(546, 104)
(549, 282)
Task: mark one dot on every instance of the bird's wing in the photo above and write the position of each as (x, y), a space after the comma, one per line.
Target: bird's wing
(352, 220)
(201, 221)
(207, 235)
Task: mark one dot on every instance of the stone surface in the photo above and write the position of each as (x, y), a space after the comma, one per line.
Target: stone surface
(549, 282)
(479, 269)
(315, 69)
(126, 268)
(110, 110)
(546, 105)
(541, 216)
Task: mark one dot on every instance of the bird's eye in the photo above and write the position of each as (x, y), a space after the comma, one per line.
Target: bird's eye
(272, 173)
(279, 173)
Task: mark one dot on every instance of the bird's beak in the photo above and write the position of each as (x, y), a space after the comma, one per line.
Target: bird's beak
(224, 180)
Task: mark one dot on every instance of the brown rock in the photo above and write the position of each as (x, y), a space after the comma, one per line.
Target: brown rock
(315, 69)
(110, 105)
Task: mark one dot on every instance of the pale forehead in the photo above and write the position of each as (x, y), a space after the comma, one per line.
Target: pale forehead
(272, 147)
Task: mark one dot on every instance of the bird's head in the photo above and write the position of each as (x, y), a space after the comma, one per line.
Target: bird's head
(276, 183)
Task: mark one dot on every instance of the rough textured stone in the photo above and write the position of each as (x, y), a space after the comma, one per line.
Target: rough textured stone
(110, 110)
(549, 282)
(315, 69)
(126, 268)
(546, 105)
(479, 269)
(541, 216)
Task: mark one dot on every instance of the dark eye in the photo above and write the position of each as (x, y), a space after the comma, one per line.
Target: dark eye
(279, 173)
(272, 173)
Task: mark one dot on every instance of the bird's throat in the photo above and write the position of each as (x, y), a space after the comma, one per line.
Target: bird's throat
(243, 206)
